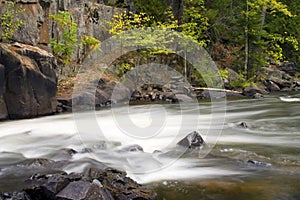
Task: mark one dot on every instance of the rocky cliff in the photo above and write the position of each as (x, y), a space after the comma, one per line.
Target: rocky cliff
(28, 71)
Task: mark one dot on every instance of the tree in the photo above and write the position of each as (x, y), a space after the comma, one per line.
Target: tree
(265, 43)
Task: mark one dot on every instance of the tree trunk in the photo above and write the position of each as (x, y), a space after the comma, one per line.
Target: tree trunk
(246, 42)
(177, 9)
(262, 22)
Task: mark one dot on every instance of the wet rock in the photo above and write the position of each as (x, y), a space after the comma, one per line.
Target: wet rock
(192, 141)
(122, 187)
(15, 196)
(94, 184)
(54, 184)
(132, 148)
(242, 125)
(37, 162)
(258, 163)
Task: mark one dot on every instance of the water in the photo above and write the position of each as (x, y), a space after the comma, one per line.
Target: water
(272, 137)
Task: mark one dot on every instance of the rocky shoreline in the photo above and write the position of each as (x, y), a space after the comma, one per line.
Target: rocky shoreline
(94, 183)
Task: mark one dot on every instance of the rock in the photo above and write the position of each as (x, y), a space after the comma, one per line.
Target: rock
(193, 141)
(64, 105)
(85, 191)
(242, 125)
(132, 148)
(258, 163)
(3, 109)
(15, 196)
(94, 184)
(33, 18)
(54, 184)
(37, 162)
(291, 68)
(31, 84)
(254, 91)
(120, 186)
(271, 86)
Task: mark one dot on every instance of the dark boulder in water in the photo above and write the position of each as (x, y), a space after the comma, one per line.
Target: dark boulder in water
(242, 125)
(193, 141)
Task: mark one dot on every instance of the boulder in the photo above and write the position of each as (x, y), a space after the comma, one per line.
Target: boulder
(30, 89)
(193, 141)
(271, 86)
(254, 91)
(120, 186)
(3, 109)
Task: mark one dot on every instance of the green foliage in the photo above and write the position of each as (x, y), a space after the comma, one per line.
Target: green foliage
(9, 23)
(64, 45)
(242, 82)
(123, 68)
(90, 44)
(224, 73)
(194, 22)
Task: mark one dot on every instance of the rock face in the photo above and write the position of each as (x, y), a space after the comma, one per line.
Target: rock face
(28, 82)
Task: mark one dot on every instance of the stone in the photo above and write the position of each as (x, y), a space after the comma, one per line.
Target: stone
(271, 86)
(132, 148)
(84, 191)
(74, 190)
(252, 91)
(33, 18)
(258, 163)
(242, 125)
(3, 109)
(30, 83)
(14, 196)
(54, 184)
(193, 141)
(64, 105)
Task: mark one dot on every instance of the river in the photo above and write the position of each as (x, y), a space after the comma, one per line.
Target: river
(270, 139)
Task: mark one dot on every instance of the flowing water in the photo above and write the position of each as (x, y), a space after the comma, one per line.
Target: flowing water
(270, 139)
